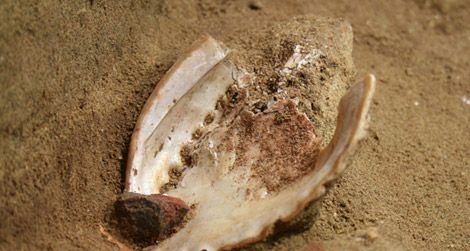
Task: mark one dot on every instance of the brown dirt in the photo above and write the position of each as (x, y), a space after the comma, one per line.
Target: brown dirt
(74, 76)
(285, 142)
(318, 87)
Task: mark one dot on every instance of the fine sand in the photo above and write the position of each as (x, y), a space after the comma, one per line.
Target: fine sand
(74, 76)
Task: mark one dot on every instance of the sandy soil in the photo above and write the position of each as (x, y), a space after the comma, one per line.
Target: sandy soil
(74, 76)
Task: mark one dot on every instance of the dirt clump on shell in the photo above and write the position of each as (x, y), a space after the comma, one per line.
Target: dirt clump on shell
(309, 63)
(75, 75)
(319, 77)
(284, 141)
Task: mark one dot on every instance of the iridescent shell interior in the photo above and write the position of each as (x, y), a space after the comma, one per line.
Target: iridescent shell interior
(241, 171)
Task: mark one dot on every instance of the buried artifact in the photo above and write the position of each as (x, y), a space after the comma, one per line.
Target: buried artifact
(206, 145)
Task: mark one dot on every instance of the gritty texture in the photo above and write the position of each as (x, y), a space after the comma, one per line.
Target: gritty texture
(275, 147)
(285, 143)
(317, 84)
(74, 76)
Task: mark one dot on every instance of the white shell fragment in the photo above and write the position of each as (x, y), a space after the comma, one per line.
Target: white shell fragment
(252, 170)
(147, 170)
(298, 59)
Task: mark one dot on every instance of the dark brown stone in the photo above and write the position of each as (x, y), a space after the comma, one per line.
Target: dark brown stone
(148, 218)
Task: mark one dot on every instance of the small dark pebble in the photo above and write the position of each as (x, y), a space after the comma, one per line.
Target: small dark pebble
(261, 106)
(255, 5)
(146, 219)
